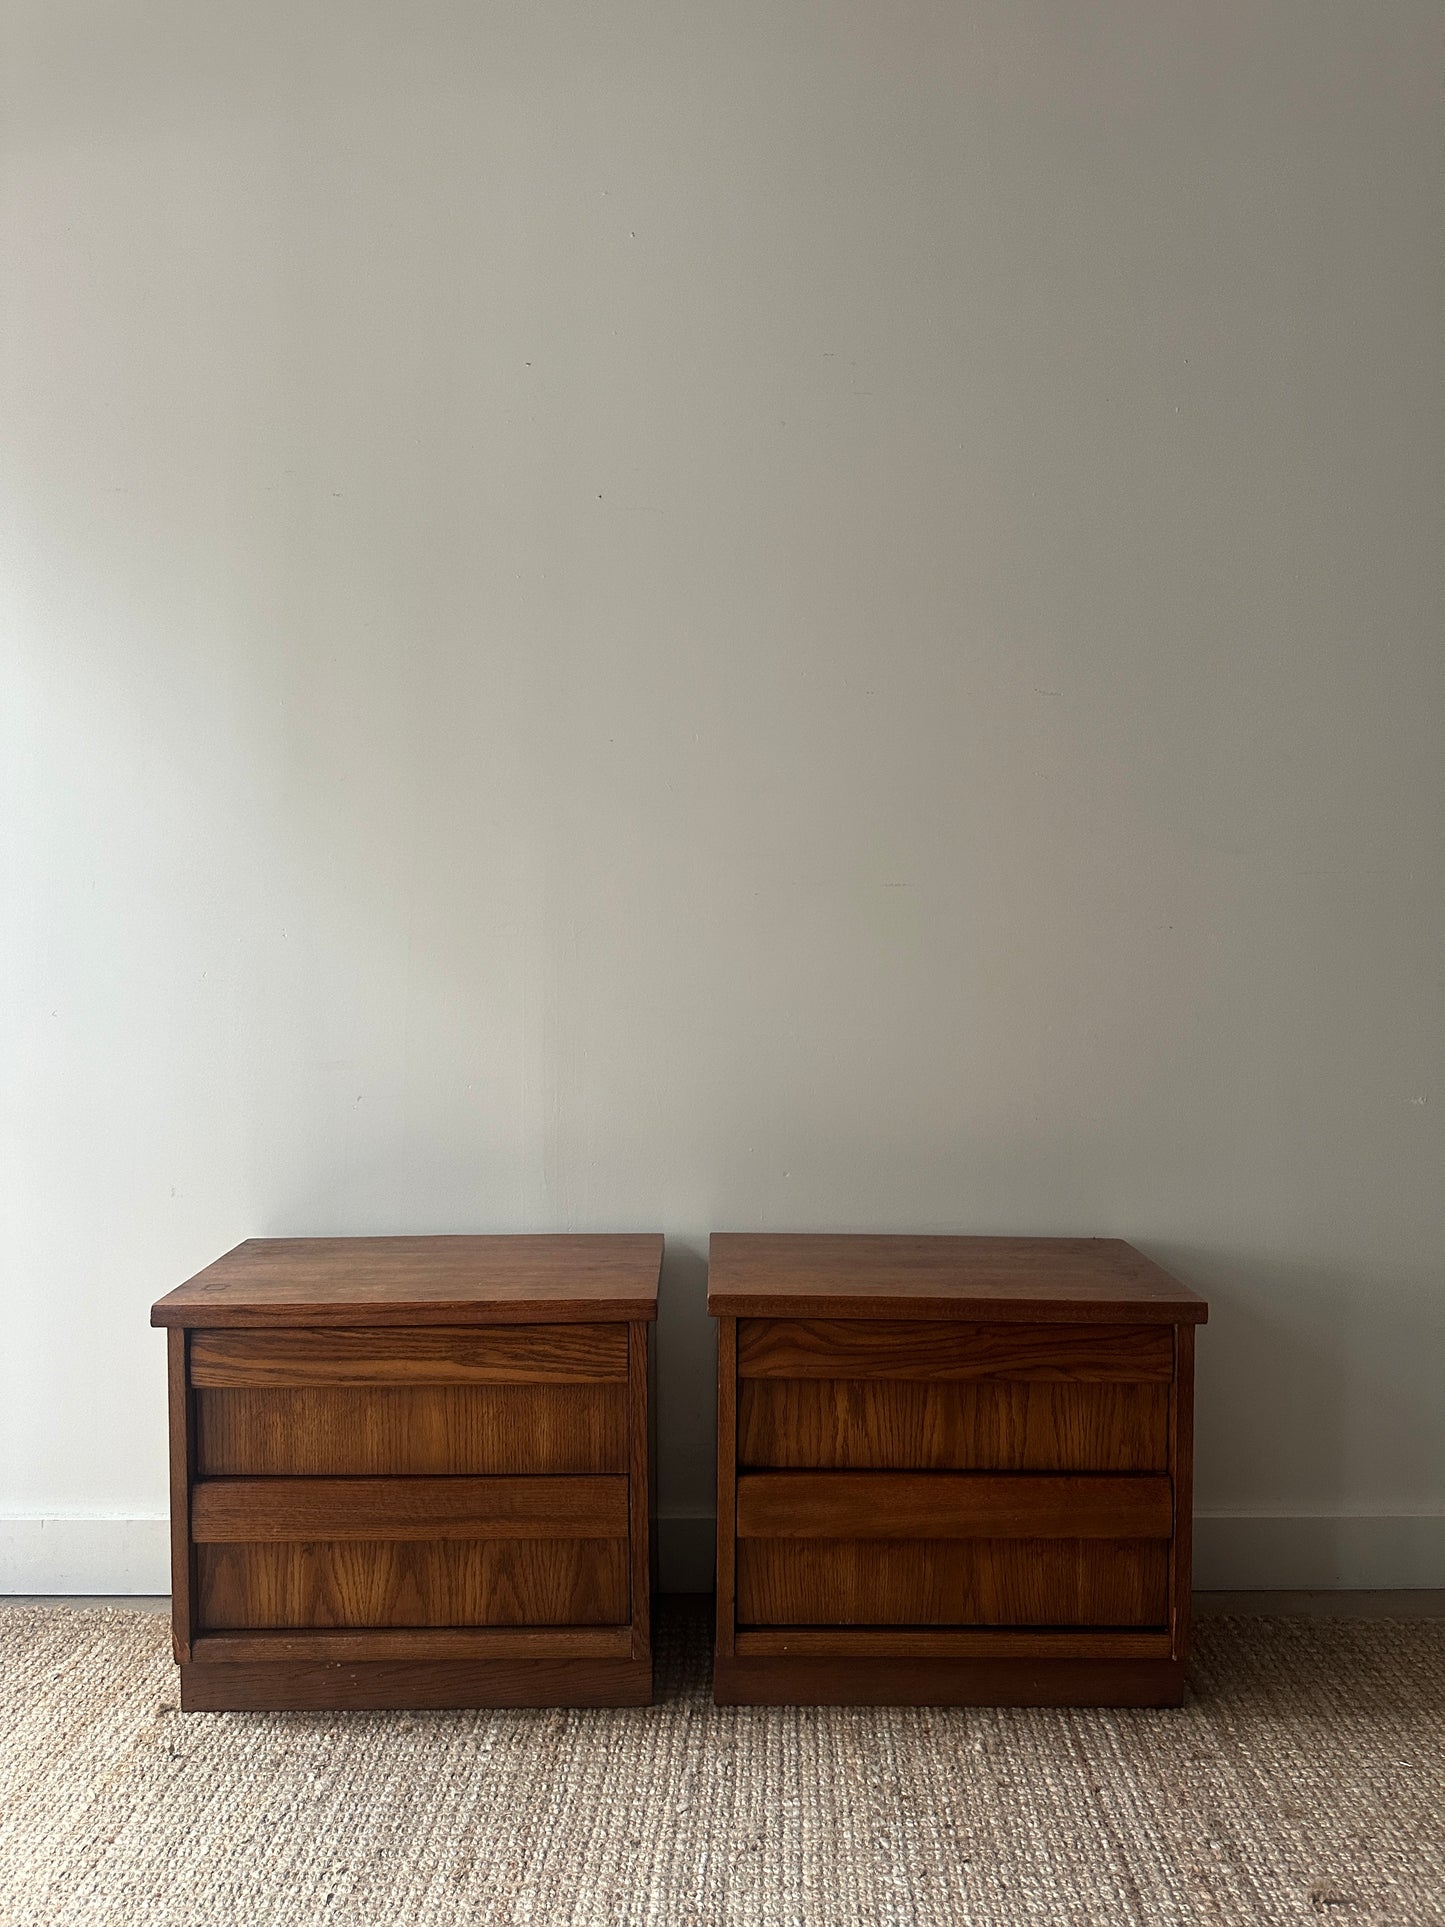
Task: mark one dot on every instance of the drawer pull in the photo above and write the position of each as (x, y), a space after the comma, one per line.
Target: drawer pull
(910, 1348)
(946, 1505)
(232, 1511)
(434, 1355)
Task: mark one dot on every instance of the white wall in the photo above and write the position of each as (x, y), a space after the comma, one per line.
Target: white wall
(681, 616)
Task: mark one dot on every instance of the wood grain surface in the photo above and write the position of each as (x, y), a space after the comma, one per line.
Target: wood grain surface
(239, 1510)
(952, 1582)
(412, 1429)
(454, 1582)
(949, 1471)
(434, 1355)
(384, 1685)
(1025, 1426)
(422, 1281)
(727, 1479)
(418, 1642)
(1049, 1280)
(637, 1497)
(943, 1505)
(1181, 1467)
(925, 1642)
(414, 1472)
(950, 1349)
(182, 1467)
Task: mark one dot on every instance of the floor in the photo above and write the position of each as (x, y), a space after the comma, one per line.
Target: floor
(1301, 1781)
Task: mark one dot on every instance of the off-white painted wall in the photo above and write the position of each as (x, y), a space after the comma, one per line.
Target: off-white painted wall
(687, 615)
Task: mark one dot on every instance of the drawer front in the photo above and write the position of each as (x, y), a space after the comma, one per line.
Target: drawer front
(952, 1582)
(230, 1510)
(502, 1399)
(435, 1355)
(945, 1349)
(450, 1582)
(275, 1553)
(316, 1430)
(895, 1393)
(948, 1425)
(840, 1548)
(942, 1505)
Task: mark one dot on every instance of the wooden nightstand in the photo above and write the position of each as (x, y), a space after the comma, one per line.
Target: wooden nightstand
(951, 1471)
(413, 1472)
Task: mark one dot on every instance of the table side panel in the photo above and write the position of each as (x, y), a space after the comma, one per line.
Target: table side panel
(727, 1481)
(182, 1473)
(1182, 1473)
(639, 1488)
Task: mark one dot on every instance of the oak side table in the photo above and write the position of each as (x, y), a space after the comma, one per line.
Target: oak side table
(951, 1471)
(413, 1472)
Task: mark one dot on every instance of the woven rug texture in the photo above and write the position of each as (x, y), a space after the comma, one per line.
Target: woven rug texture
(1303, 1781)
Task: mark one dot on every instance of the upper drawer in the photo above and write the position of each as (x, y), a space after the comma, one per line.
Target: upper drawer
(942, 1426)
(503, 1399)
(439, 1355)
(952, 1396)
(352, 1429)
(943, 1349)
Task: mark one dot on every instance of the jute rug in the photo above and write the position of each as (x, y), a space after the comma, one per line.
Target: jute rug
(1304, 1781)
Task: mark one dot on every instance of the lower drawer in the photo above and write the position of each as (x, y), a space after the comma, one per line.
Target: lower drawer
(451, 1582)
(952, 1582)
(411, 1552)
(952, 1549)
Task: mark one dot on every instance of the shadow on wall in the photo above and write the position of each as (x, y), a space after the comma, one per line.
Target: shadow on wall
(1297, 1396)
(686, 1420)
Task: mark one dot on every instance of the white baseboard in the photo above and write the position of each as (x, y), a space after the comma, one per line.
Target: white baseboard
(85, 1555)
(1233, 1552)
(1324, 1552)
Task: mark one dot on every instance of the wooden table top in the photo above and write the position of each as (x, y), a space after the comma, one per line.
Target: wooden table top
(1045, 1280)
(511, 1280)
